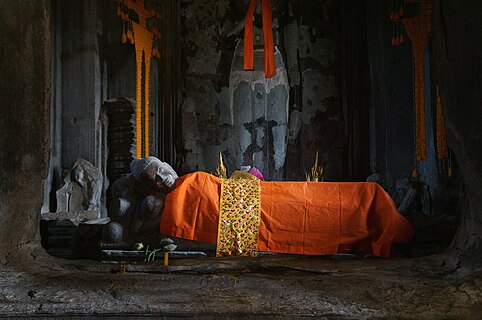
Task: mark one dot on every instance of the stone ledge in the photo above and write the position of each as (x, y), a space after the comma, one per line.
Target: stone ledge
(74, 217)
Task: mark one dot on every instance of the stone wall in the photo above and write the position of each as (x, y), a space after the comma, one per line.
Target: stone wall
(458, 70)
(81, 78)
(392, 111)
(24, 121)
(91, 66)
(306, 34)
(392, 148)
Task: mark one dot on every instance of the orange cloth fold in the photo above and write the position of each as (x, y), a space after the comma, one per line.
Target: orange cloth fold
(312, 218)
(269, 62)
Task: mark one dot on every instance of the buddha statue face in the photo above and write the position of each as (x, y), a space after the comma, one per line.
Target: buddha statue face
(158, 175)
(78, 175)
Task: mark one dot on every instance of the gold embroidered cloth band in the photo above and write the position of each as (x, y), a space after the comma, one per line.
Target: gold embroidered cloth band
(239, 216)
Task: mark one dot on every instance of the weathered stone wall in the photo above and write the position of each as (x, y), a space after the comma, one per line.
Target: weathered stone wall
(81, 74)
(392, 148)
(24, 113)
(453, 62)
(392, 112)
(458, 65)
(91, 65)
(94, 66)
(306, 34)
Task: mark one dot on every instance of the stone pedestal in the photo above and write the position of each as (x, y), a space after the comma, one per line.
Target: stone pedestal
(60, 233)
(110, 256)
(58, 238)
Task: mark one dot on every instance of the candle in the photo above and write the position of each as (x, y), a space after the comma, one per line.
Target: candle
(166, 258)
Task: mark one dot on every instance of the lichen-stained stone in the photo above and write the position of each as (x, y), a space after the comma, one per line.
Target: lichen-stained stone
(206, 58)
(317, 87)
(257, 103)
(252, 123)
(203, 97)
(223, 107)
(323, 50)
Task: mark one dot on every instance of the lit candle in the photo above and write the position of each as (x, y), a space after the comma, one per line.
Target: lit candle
(166, 258)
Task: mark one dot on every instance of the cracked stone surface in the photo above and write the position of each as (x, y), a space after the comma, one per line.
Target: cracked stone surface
(273, 286)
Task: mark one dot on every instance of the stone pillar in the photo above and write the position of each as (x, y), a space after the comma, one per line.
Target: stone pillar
(25, 97)
(81, 80)
(458, 70)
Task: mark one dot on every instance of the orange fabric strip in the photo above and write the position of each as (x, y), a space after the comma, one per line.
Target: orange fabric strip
(248, 37)
(269, 61)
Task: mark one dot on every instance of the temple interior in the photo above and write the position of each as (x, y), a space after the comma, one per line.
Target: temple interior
(338, 92)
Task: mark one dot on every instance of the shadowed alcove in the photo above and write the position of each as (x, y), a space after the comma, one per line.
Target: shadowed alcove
(344, 91)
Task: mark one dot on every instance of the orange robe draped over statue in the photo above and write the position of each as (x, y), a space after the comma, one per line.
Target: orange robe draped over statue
(296, 217)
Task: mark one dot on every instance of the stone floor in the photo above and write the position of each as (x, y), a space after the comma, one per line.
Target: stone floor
(272, 287)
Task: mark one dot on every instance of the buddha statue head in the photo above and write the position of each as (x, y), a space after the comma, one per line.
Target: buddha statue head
(158, 175)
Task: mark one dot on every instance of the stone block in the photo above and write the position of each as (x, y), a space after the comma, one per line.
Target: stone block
(74, 217)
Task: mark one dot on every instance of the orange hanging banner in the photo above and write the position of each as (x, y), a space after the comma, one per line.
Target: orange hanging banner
(269, 62)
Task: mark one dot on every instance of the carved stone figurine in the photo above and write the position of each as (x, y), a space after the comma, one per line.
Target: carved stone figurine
(81, 190)
(137, 202)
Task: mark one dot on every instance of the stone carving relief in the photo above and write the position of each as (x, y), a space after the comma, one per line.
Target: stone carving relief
(81, 190)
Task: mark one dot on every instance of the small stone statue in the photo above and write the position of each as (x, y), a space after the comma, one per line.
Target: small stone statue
(137, 201)
(81, 190)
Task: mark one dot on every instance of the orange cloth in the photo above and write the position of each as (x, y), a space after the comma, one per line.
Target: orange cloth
(296, 217)
(269, 62)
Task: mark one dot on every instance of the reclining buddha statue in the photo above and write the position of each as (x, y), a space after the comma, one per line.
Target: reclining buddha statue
(137, 201)
(243, 214)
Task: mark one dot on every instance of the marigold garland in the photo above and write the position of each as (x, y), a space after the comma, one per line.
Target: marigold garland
(442, 149)
(145, 41)
(418, 30)
(143, 45)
